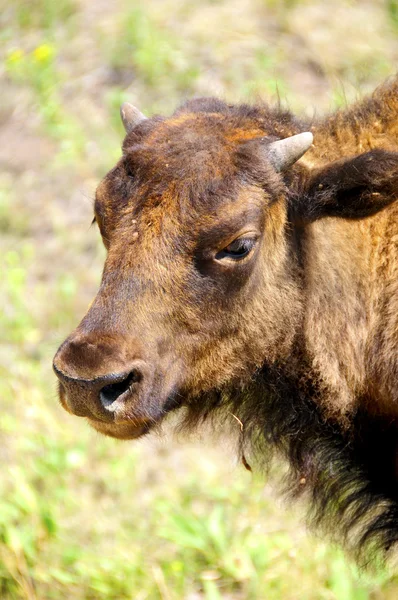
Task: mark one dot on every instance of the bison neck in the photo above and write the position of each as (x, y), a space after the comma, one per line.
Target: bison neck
(350, 321)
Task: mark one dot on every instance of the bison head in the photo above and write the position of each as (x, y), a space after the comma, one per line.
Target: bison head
(198, 288)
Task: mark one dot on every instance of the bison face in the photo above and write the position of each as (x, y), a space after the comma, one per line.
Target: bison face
(197, 290)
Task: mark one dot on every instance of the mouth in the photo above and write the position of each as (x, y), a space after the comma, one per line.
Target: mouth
(122, 431)
(127, 425)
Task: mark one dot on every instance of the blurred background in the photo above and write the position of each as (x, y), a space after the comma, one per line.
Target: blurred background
(86, 517)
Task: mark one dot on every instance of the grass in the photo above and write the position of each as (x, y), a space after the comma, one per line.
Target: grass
(82, 516)
(144, 48)
(40, 14)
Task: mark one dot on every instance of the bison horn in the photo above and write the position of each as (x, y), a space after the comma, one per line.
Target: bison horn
(131, 116)
(284, 153)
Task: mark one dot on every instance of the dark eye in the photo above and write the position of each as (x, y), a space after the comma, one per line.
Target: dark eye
(238, 249)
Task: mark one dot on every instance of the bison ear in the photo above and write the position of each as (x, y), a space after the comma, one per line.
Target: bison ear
(284, 153)
(352, 189)
(131, 116)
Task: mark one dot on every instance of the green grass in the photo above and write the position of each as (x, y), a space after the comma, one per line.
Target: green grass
(83, 516)
(392, 9)
(149, 51)
(40, 71)
(44, 14)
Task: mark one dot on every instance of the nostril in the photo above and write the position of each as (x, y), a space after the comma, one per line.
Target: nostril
(109, 393)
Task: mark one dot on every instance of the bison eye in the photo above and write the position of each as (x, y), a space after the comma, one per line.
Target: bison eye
(238, 249)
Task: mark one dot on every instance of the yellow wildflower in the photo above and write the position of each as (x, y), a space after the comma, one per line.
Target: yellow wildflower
(43, 52)
(15, 56)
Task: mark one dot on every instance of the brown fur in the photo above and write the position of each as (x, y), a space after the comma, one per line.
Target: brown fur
(309, 319)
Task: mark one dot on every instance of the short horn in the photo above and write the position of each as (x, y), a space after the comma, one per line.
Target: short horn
(284, 153)
(131, 116)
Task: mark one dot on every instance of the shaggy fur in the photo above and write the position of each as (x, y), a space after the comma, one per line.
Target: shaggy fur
(298, 339)
(345, 477)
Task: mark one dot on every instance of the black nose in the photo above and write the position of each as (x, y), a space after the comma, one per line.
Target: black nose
(111, 392)
(104, 396)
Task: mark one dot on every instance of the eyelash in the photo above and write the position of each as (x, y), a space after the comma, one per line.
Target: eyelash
(243, 247)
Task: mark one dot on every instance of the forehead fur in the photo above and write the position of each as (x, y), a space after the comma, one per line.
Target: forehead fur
(203, 142)
(205, 152)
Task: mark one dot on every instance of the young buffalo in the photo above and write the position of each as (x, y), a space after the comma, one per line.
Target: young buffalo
(252, 270)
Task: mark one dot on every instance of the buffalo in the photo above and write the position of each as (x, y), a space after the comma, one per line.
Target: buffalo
(252, 272)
